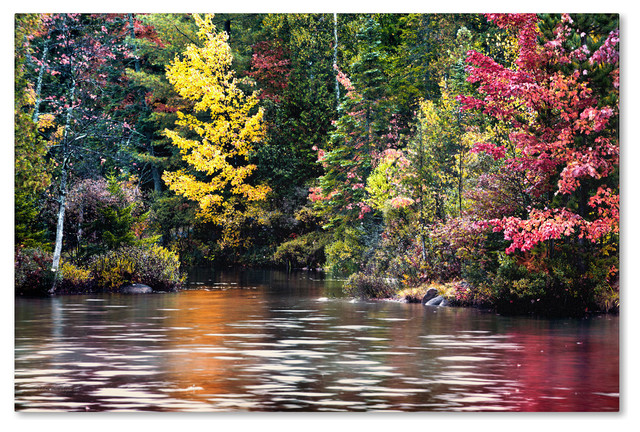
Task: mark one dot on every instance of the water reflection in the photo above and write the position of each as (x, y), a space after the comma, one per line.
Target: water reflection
(267, 341)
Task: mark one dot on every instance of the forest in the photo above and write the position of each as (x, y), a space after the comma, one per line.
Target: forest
(475, 153)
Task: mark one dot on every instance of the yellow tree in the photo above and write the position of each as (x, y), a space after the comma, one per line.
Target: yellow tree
(225, 125)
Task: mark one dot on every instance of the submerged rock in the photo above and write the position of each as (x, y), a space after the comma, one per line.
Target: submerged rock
(136, 289)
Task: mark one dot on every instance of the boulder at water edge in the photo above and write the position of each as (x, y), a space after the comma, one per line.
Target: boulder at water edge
(436, 301)
(431, 293)
(136, 289)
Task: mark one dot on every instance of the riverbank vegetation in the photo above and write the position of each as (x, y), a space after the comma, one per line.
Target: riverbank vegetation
(476, 153)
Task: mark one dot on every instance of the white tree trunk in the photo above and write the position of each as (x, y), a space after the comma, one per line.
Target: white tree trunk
(36, 111)
(335, 53)
(57, 252)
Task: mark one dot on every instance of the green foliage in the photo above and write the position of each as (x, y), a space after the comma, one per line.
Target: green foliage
(32, 170)
(30, 230)
(365, 285)
(103, 215)
(305, 251)
(345, 253)
(301, 115)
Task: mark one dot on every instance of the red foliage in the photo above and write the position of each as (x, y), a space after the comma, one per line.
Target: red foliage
(271, 69)
(559, 130)
(147, 32)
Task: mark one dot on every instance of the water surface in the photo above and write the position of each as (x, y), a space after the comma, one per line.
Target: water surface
(268, 341)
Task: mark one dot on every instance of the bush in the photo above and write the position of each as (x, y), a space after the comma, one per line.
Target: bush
(75, 278)
(154, 266)
(464, 294)
(304, 251)
(344, 255)
(33, 275)
(369, 286)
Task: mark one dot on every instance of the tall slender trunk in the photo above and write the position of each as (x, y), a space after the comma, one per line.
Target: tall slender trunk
(61, 213)
(155, 173)
(335, 53)
(36, 111)
(133, 35)
(57, 252)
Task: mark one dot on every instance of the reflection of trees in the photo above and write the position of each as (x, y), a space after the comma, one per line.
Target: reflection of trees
(271, 348)
(559, 372)
(199, 327)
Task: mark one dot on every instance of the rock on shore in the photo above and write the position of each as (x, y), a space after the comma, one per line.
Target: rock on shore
(431, 298)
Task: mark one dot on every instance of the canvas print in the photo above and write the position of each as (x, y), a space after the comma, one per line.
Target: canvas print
(304, 212)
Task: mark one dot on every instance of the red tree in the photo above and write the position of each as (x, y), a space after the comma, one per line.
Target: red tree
(563, 133)
(271, 67)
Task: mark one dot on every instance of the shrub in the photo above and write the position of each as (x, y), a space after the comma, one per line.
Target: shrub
(154, 266)
(463, 294)
(304, 251)
(369, 286)
(75, 278)
(343, 255)
(33, 275)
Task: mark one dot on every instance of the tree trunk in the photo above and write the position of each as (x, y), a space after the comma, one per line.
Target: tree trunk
(36, 111)
(335, 53)
(155, 172)
(57, 252)
(60, 226)
(133, 35)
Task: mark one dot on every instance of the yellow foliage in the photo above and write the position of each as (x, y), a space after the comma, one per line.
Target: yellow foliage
(46, 121)
(204, 76)
(74, 274)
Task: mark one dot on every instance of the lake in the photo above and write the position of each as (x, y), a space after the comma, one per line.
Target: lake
(272, 341)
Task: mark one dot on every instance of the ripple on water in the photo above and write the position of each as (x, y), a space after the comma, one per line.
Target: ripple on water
(277, 368)
(357, 327)
(308, 342)
(239, 335)
(464, 358)
(114, 372)
(335, 357)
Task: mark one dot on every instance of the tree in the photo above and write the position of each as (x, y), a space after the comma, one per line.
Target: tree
(294, 54)
(365, 128)
(73, 58)
(32, 171)
(558, 110)
(104, 214)
(217, 139)
(563, 134)
(151, 100)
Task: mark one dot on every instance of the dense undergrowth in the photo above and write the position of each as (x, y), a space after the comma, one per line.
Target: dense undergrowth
(154, 266)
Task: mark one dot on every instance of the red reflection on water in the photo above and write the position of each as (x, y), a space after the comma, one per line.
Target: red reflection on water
(566, 373)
